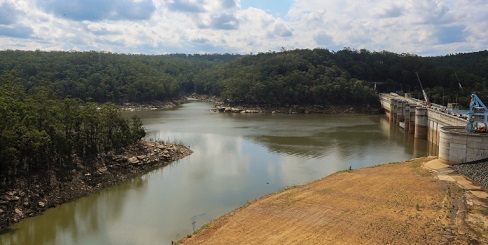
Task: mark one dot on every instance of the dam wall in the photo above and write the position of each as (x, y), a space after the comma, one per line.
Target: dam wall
(444, 131)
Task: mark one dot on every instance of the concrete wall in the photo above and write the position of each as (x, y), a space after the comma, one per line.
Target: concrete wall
(400, 110)
(456, 146)
(411, 126)
(385, 102)
(406, 114)
(394, 111)
(437, 120)
(445, 119)
(434, 131)
(447, 132)
(421, 123)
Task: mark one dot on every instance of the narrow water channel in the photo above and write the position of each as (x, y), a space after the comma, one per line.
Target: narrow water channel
(237, 158)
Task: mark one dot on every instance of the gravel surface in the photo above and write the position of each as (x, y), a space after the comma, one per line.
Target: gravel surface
(478, 172)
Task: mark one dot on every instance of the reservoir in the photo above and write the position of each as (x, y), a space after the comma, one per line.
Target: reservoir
(237, 158)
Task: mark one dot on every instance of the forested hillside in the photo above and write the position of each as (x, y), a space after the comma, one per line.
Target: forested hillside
(288, 78)
(49, 114)
(440, 75)
(40, 132)
(317, 76)
(104, 77)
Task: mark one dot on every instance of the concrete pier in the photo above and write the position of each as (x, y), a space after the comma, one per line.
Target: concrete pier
(406, 113)
(394, 111)
(400, 106)
(421, 123)
(411, 126)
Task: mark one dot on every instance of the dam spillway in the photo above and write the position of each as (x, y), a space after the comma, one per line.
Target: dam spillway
(443, 130)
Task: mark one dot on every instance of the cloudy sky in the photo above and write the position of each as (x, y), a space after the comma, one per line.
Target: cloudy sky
(423, 27)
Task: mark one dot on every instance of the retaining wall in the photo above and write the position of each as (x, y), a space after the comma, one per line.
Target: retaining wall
(456, 146)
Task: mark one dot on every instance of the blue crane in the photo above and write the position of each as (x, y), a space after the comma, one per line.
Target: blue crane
(477, 115)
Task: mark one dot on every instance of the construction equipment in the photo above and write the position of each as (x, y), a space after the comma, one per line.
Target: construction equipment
(477, 116)
(459, 83)
(426, 99)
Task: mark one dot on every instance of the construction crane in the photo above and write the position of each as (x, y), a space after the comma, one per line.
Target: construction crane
(426, 99)
(477, 116)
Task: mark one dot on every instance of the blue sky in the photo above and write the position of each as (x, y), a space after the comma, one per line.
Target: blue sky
(423, 27)
(278, 8)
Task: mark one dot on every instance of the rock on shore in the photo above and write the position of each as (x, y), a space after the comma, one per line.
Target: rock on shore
(32, 195)
(171, 104)
(478, 172)
(155, 105)
(296, 109)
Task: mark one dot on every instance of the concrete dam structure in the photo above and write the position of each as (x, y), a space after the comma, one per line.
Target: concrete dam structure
(443, 130)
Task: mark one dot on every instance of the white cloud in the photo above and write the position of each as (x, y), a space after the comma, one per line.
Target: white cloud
(98, 10)
(423, 27)
(165, 26)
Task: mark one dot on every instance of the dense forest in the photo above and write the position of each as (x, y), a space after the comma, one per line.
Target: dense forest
(40, 132)
(317, 76)
(49, 101)
(103, 77)
(287, 78)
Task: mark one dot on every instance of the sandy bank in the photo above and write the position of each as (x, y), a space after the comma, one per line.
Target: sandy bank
(401, 203)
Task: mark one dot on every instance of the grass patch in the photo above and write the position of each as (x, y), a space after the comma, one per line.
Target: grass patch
(204, 227)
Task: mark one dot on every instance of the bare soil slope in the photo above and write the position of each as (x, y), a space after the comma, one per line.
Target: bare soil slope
(397, 203)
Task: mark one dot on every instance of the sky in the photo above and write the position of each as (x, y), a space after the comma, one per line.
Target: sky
(422, 27)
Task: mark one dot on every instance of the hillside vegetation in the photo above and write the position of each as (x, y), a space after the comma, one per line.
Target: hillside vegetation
(317, 76)
(49, 101)
(39, 132)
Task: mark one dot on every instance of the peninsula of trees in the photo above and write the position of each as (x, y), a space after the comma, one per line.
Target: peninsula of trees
(40, 132)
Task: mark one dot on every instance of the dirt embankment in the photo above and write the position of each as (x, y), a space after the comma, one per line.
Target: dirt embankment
(400, 203)
(32, 195)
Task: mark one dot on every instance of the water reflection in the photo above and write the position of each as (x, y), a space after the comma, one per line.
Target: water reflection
(72, 222)
(236, 158)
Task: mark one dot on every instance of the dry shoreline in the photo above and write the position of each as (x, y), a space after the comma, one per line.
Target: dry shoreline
(221, 106)
(298, 109)
(32, 195)
(415, 202)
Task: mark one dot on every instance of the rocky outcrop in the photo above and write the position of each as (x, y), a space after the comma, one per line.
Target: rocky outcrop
(32, 195)
(171, 104)
(296, 109)
(153, 106)
(203, 97)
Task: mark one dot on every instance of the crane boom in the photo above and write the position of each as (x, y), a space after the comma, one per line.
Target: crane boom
(423, 91)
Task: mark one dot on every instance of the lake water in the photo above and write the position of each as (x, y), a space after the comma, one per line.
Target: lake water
(237, 158)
